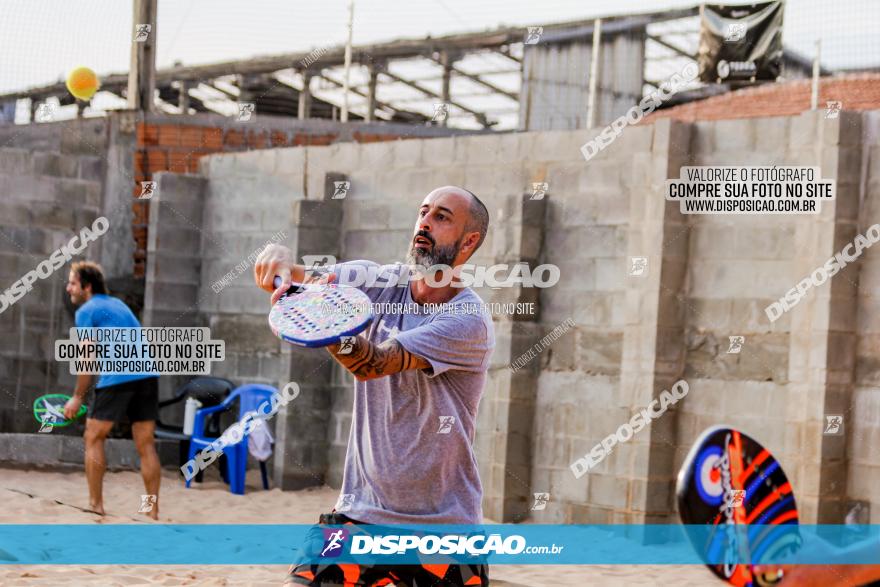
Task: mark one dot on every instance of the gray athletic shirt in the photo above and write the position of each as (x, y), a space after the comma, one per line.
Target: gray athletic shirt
(410, 457)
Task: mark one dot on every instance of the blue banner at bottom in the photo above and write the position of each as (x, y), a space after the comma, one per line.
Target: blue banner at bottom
(257, 544)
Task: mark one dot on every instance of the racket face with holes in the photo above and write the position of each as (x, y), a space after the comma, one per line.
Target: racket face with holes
(723, 463)
(320, 315)
(49, 409)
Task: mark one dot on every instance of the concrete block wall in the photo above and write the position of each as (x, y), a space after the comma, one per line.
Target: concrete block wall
(253, 199)
(175, 259)
(46, 197)
(708, 278)
(578, 376)
(82, 136)
(737, 265)
(862, 415)
(173, 143)
(792, 372)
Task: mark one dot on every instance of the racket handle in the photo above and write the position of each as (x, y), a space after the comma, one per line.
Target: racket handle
(294, 288)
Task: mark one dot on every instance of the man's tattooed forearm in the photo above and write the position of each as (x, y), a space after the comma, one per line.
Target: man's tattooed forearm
(369, 361)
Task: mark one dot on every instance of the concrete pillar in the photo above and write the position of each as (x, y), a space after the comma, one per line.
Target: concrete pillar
(174, 255)
(251, 87)
(371, 93)
(305, 97)
(302, 440)
(142, 69)
(118, 259)
(822, 350)
(654, 336)
(446, 62)
(512, 397)
(183, 98)
(174, 258)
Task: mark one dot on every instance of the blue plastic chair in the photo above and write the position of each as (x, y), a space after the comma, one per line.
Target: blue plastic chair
(249, 397)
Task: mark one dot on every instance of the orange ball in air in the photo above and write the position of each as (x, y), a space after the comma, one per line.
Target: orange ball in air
(82, 82)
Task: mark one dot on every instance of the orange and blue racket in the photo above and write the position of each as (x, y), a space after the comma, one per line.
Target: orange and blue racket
(732, 483)
(318, 315)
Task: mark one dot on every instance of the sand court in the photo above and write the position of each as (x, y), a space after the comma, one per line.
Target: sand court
(211, 503)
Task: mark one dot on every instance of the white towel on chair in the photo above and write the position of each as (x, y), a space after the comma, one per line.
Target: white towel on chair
(260, 441)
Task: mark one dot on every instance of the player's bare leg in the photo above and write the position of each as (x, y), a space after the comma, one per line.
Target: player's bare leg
(151, 470)
(96, 462)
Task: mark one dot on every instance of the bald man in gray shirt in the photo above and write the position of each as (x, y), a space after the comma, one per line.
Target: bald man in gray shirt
(419, 375)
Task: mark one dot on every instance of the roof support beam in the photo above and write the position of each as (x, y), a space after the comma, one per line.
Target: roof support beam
(481, 118)
(671, 47)
(378, 104)
(481, 81)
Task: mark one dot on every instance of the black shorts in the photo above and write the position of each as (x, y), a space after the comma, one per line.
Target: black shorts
(137, 400)
(351, 575)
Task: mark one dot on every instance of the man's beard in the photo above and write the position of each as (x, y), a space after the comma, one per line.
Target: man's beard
(438, 255)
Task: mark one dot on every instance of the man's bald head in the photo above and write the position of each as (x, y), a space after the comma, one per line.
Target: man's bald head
(451, 225)
(478, 214)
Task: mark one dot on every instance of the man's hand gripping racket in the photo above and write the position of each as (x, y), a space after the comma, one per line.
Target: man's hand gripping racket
(306, 311)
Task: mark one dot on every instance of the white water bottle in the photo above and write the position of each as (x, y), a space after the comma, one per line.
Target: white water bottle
(189, 414)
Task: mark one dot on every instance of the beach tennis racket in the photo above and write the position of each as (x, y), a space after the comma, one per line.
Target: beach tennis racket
(49, 409)
(723, 463)
(318, 315)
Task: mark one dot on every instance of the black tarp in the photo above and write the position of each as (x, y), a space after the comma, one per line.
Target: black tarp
(740, 42)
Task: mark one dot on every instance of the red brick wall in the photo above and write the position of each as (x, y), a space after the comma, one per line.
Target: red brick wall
(178, 148)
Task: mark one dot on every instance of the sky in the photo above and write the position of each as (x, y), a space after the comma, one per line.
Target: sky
(41, 41)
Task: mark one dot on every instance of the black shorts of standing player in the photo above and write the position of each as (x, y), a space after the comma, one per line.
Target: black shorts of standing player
(352, 575)
(138, 400)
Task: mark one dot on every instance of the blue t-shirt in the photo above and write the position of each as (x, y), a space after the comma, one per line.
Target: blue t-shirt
(103, 311)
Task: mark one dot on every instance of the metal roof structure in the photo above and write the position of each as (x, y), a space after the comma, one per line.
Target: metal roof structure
(478, 75)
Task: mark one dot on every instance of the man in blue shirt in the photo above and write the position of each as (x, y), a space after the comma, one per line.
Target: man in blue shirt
(134, 396)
